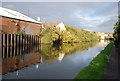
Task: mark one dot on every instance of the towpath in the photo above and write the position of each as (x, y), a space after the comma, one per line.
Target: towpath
(111, 71)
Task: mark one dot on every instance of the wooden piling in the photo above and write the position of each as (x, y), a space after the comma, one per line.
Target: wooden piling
(9, 39)
(13, 40)
(5, 39)
(2, 40)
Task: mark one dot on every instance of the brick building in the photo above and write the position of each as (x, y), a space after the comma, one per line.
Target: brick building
(12, 22)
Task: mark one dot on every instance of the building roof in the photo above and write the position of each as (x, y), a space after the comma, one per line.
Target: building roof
(51, 23)
(14, 14)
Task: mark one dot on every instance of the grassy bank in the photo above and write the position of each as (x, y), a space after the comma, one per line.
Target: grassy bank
(96, 68)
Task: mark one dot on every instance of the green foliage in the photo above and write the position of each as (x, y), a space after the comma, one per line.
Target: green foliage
(70, 35)
(116, 33)
(19, 33)
(96, 68)
(116, 30)
(49, 34)
(82, 35)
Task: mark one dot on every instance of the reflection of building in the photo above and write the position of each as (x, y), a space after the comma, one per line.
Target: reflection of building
(104, 35)
(61, 57)
(13, 22)
(15, 63)
(102, 43)
(37, 66)
(59, 25)
(17, 73)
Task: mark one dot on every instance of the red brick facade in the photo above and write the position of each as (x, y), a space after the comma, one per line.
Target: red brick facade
(12, 26)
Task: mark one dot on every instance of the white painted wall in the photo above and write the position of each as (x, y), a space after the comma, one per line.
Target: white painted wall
(61, 26)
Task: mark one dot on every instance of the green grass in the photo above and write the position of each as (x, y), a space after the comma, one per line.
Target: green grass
(95, 70)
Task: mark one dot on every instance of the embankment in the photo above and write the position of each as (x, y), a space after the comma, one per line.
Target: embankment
(96, 68)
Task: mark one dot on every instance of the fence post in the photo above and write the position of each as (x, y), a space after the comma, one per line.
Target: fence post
(19, 39)
(27, 39)
(8, 51)
(16, 40)
(13, 50)
(19, 44)
(2, 44)
(9, 39)
(30, 39)
(5, 52)
(5, 39)
(24, 39)
(2, 40)
(38, 40)
(12, 39)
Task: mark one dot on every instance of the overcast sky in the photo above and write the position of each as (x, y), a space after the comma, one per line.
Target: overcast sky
(93, 16)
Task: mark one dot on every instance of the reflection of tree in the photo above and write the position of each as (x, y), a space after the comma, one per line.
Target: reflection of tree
(50, 53)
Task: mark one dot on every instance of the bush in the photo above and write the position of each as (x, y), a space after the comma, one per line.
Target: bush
(70, 35)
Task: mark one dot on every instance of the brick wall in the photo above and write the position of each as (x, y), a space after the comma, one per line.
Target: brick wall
(12, 26)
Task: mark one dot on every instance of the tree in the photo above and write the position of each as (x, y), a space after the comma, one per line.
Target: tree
(116, 33)
(117, 29)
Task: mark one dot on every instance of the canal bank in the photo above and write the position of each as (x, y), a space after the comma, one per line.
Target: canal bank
(95, 70)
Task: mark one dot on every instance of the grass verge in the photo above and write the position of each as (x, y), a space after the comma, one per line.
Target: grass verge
(95, 70)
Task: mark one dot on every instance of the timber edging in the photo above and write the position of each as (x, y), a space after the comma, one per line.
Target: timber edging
(14, 39)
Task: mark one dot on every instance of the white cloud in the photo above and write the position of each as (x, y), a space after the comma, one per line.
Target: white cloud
(9, 6)
(61, 0)
(83, 15)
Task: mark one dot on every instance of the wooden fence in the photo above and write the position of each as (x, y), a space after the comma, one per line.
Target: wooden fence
(16, 40)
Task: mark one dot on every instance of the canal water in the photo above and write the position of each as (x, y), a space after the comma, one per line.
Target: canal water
(48, 62)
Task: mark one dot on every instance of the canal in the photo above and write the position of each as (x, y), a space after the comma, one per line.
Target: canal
(48, 62)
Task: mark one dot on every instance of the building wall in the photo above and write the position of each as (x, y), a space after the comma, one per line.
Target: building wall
(12, 26)
(61, 26)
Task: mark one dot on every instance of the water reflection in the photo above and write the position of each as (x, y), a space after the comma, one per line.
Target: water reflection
(47, 59)
(103, 42)
(52, 53)
(14, 58)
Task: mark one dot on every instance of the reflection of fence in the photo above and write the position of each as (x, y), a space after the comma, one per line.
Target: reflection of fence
(15, 58)
(11, 51)
(14, 39)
